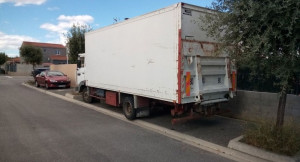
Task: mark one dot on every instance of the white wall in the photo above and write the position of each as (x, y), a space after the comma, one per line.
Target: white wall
(22, 70)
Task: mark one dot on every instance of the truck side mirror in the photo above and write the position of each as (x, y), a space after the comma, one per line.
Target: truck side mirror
(78, 64)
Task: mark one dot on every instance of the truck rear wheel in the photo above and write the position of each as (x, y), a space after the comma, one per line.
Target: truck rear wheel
(128, 108)
(86, 96)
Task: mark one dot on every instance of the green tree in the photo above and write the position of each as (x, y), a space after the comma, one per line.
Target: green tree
(263, 35)
(32, 55)
(76, 41)
(3, 58)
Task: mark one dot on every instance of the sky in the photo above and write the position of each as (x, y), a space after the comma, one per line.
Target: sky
(49, 20)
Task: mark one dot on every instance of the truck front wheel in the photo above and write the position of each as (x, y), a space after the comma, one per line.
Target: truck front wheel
(86, 96)
(128, 108)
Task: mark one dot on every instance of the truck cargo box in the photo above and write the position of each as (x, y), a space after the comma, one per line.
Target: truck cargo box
(162, 55)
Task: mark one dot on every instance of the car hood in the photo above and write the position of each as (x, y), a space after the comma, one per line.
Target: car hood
(58, 78)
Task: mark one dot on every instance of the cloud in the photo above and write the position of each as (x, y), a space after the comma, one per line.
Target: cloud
(12, 42)
(64, 24)
(24, 2)
(52, 8)
(81, 19)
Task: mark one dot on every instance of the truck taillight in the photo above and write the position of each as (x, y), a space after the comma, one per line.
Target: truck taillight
(231, 71)
(188, 83)
(233, 81)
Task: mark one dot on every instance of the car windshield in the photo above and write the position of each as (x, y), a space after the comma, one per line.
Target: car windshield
(55, 73)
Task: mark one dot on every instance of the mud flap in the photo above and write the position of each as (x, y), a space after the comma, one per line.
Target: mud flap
(143, 112)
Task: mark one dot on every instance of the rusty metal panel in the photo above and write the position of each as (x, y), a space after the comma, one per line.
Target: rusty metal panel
(140, 102)
(111, 98)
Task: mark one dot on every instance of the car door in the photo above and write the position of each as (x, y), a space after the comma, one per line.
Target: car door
(38, 78)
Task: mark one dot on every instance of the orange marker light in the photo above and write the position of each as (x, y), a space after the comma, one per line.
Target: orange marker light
(233, 80)
(188, 83)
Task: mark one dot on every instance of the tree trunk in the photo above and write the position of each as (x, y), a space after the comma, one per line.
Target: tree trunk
(281, 108)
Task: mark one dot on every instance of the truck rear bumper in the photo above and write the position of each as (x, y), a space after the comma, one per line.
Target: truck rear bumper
(214, 101)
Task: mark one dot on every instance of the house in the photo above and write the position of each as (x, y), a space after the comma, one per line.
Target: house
(57, 59)
(17, 66)
(11, 64)
(15, 60)
(52, 53)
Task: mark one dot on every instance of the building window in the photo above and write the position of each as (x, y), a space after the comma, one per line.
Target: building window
(45, 50)
(57, 52)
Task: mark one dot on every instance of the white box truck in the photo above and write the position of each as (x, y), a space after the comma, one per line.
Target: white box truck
(160, 57)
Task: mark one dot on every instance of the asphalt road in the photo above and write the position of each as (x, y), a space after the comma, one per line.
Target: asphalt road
(37, 127)
(215, 129)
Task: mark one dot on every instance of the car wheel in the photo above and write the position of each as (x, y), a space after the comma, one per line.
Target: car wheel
(86, 96)
(37, 84)
(128, 108)
(46, 85)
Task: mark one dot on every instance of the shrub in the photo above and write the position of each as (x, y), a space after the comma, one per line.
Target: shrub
(284, 140)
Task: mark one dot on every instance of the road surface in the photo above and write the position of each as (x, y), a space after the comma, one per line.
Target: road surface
(37, 127)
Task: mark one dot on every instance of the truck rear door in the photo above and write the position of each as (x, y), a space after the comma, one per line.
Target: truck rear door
(206, 75)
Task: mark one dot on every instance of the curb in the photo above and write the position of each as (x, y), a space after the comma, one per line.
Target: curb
(69, 95)
(72, 96)
(187, 139)
(237, 145)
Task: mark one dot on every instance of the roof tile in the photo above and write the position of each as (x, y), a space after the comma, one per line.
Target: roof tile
(16, 59)
(38, 44)
(58, 57)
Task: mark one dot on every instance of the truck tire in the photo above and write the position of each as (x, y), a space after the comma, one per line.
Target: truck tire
(85, 96)
(128, 108)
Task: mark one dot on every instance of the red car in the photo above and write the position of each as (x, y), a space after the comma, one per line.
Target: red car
(51, 79)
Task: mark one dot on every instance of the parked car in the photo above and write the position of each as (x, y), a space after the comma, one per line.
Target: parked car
(37, 71)
(2, 71)
(52, 79)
